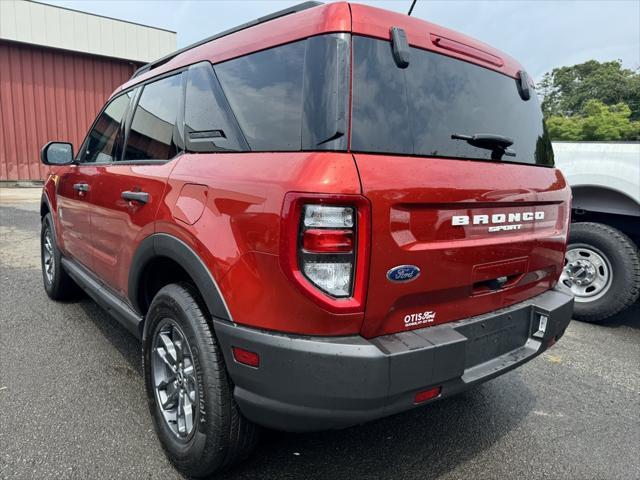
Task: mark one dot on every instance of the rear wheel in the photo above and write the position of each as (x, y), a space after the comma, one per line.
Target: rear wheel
(189, 391)
(602, 269)
(57, 283)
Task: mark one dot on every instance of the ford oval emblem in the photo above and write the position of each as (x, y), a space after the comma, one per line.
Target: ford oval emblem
(403, 273)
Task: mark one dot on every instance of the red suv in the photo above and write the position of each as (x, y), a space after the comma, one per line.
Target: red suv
(325, 216)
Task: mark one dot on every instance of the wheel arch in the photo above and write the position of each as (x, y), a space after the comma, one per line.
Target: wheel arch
(601, 199)
(161, 247)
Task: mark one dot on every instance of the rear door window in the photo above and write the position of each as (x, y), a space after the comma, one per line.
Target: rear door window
(153, 133)
(209, 124)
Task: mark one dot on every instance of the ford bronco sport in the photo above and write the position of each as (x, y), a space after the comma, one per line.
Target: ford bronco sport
(326, 216)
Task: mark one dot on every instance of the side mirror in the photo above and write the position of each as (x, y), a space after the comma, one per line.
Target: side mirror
(57, 153)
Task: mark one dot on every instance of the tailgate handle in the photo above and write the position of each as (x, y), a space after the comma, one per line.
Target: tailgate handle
(494, 276)
(496, 283)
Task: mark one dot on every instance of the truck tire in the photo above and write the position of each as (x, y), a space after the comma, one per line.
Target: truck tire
(602, 269)
(189, 392)
(57, 282)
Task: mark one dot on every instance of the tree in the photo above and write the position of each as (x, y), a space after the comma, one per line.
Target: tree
(567, 90)
(596, 122)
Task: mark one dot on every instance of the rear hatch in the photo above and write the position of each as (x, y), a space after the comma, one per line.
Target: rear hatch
(483, 221)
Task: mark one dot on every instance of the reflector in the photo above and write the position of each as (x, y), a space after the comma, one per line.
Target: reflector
(425, 395)
(246, 357)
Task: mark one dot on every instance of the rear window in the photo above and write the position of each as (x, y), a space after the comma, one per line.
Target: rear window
(416, 110)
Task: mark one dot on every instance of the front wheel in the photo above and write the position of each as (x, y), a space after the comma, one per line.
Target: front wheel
(189, 392)
(57, 283)
(602, 269)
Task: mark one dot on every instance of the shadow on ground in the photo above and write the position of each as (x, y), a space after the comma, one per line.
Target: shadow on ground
(437, 437)
(628, 318)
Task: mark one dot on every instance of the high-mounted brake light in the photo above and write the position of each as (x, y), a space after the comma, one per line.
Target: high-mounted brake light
(325, 245)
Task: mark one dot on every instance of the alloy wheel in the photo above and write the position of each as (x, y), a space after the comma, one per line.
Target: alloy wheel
(48, 256)
(174, 379)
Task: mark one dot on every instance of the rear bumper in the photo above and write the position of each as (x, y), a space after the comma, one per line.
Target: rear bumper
(320, 383)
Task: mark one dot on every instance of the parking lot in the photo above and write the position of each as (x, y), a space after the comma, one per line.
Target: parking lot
(72, 402)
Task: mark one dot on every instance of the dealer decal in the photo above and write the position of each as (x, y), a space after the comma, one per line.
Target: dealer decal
(413, 319)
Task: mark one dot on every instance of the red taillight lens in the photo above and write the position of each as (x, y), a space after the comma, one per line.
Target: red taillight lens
(245, 356)
(327, 241)
(427, 395)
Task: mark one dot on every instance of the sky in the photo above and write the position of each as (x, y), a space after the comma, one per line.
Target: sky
(541, 35)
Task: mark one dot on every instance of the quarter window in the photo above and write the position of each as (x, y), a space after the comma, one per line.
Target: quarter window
(153, 130)
(264, 90)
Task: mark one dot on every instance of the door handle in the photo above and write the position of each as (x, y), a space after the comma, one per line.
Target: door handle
(140, 197)
(81, 187)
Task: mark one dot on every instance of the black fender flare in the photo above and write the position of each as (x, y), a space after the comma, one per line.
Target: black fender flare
(165, 245)
(44, 201)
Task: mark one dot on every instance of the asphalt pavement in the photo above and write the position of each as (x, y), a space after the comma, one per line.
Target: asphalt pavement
(72, 402)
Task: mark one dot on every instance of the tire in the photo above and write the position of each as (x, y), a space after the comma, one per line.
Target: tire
(218, 436)
(57, 282)
(616, 284)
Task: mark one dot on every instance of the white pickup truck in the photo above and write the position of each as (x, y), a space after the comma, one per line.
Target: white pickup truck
(602, 264)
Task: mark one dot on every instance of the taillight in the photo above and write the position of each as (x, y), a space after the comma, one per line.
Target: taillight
(325, 247)
(325, 242)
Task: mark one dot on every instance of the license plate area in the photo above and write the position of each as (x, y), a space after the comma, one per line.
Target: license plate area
(495, 336)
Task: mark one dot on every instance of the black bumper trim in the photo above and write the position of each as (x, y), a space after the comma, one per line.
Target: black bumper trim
(307, 383)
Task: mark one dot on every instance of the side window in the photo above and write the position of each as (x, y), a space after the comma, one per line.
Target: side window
(153, 128)
(209, 124)
(104, 142)
(264, 90)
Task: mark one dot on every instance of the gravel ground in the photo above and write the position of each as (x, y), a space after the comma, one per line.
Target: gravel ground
(72, 402)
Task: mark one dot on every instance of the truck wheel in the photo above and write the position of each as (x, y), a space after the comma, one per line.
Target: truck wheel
(57, 283)
(189, 392)
(602, 269)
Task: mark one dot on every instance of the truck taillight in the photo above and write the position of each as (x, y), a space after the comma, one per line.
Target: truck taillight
(325, 248)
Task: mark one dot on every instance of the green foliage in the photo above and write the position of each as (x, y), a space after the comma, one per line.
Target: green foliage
(597, 101)
(566, 90)
(596, 122)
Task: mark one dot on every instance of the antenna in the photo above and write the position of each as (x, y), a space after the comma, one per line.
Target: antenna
(413, 4)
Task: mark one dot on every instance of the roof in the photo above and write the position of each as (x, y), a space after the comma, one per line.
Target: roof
(56, 27)
(332, 17)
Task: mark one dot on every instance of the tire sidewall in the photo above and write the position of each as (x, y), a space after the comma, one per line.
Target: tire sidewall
(185, 454)
(621, 277)
(50, 286)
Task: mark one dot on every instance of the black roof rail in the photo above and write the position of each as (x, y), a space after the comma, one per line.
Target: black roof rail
(257, 21)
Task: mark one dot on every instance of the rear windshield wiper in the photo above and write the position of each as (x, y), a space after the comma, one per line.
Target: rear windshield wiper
(498, 144)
